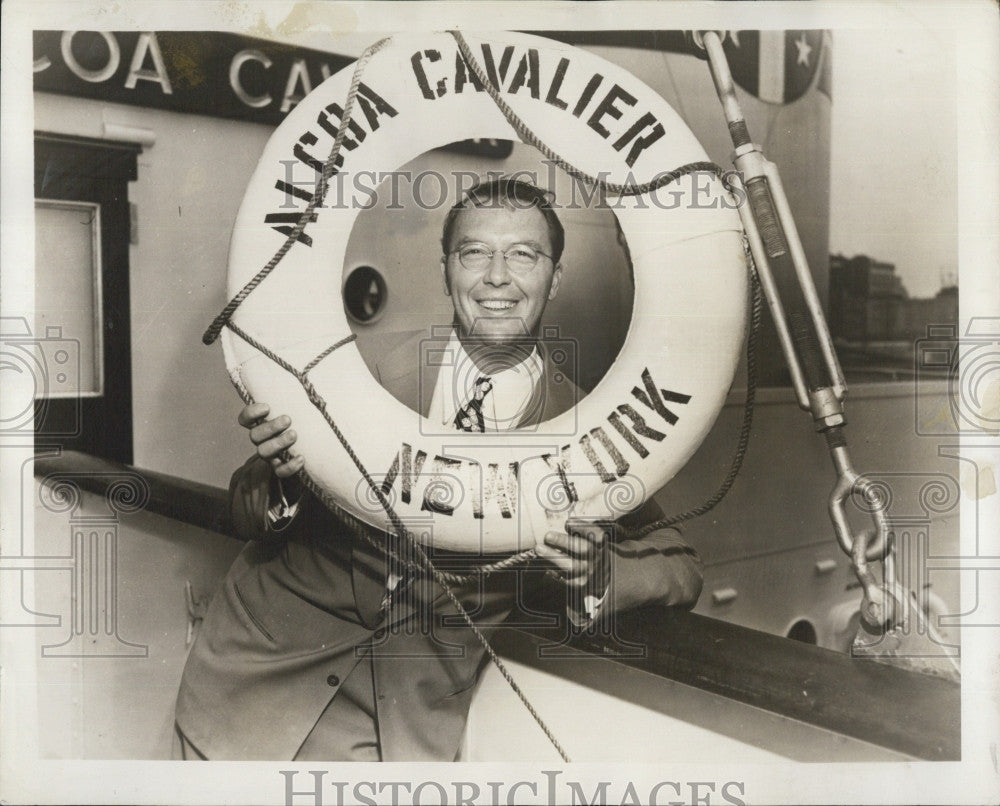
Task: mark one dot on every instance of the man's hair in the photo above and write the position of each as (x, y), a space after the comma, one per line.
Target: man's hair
(513, 194)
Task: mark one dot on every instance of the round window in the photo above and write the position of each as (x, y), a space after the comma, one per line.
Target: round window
(365, 294)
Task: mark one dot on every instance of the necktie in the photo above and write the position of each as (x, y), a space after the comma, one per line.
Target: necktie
(470, 416)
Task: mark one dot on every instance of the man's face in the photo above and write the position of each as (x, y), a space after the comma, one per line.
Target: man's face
(495, 303)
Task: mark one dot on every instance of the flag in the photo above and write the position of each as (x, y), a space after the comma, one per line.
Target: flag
(778, 66)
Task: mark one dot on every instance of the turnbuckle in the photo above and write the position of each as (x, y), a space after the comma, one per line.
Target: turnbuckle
(817, 378)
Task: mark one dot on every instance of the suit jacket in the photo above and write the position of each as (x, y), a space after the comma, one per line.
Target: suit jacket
(293, 614)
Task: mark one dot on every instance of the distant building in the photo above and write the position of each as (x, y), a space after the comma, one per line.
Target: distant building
(869, 303)
(940, 309)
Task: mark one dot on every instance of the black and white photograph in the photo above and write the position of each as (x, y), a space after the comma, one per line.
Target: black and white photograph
(500, 402)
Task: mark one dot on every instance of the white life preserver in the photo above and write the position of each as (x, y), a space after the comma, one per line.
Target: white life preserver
(475, 492)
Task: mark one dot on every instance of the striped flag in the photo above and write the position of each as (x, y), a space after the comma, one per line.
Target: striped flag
(777, 66)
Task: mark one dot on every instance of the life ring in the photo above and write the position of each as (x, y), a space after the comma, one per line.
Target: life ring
(623, 441)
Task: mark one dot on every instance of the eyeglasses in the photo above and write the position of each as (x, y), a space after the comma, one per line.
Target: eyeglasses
(521, 258)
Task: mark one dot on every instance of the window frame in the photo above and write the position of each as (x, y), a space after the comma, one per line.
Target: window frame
(76, 170)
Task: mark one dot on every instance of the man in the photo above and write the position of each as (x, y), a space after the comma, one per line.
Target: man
(500, 267)
(317, 647)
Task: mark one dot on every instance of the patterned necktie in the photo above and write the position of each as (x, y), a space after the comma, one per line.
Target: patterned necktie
(470, 416)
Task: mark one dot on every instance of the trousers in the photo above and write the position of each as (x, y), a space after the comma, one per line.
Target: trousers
(347, 730)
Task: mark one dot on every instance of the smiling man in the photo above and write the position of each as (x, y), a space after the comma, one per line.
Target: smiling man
(500, 265)
(317, 646)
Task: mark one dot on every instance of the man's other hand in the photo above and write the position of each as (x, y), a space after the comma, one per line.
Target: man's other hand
(581, 554)
(272, 439)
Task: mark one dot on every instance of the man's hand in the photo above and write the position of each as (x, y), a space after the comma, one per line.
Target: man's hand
(272, 438)
(581, 555)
